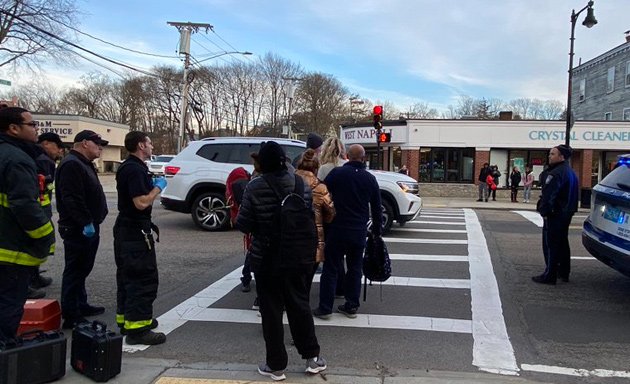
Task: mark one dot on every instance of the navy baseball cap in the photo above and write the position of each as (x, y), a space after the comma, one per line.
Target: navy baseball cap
(90, 135)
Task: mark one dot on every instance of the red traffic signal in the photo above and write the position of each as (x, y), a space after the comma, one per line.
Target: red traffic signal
(378, 117)
(384, 137)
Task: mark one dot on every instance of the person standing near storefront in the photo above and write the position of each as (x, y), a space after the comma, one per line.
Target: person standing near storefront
(483, 185)
(557, 205)
(528, 183)
(515, 180)
(82, 208)
(134, 246)
(495, 173)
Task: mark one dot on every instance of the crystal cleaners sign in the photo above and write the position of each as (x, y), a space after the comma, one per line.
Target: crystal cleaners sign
(586, 135)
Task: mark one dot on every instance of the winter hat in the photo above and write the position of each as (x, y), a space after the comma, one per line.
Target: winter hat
(565, 150)
(314, 141)
(271, 157)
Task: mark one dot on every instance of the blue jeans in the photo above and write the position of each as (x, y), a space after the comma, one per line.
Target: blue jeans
(13, 292)
(80, 253)
(339, 243)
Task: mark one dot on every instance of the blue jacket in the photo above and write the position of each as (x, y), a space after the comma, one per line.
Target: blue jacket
(354, 191)
(559, 191)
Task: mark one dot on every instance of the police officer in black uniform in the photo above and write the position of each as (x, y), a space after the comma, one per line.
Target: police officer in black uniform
(134, 245)
(557, 205)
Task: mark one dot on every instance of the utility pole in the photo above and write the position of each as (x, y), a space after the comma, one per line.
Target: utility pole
(185, 30)
(290, 94)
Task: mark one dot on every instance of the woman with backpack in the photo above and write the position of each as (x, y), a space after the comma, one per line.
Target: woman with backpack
(281, 276)
(323, 205)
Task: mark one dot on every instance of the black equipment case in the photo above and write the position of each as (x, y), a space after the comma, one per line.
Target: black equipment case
(35, 357)
(96, 352)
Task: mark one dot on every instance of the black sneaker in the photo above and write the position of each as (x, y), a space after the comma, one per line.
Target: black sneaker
(315, 365)
(264, 370)
(71, 322)
(40, 281)
(35, 294)
(349, 312)
(146, 338)
(542, 280)
(246, 287)
(91, 310)
(256, 305)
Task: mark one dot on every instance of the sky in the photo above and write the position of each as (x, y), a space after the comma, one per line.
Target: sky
(401, 51)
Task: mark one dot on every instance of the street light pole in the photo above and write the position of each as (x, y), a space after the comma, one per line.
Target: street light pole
(588, 22)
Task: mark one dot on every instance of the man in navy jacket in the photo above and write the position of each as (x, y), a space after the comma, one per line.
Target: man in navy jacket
(355, 192)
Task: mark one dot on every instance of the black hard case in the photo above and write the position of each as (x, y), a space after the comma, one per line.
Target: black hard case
(96, 352)
(35, 357)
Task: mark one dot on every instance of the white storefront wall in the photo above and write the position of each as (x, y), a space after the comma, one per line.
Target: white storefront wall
(487, 134)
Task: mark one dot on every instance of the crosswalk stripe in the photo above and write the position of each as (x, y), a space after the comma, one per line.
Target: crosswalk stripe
(428, 230)
(407, 257)
(441, 217)
(436, 222)
(419, 282)
(423, 241)
(492, 349)
(532, 216)
(416, 323)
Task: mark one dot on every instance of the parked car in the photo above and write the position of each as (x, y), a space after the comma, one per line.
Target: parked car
(157, 164)
(197, 176)
(606, 233)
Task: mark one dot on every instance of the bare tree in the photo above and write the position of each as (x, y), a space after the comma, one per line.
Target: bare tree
(422, 110)
(31, 30)
(320, 103)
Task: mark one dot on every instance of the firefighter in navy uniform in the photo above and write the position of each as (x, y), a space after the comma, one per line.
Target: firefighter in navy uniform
(557, 205)
(134, 245)
(51, 149)
(27, 235)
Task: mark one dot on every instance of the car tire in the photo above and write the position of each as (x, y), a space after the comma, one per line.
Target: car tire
(388, 216)
(210, 213)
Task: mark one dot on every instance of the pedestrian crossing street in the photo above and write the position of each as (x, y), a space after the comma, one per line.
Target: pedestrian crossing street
(454, 236)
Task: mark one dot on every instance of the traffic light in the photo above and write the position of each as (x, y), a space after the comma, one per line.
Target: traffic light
(378, 117)
(384, 137)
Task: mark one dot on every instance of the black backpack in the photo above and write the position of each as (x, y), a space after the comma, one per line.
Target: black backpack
(295, 245)
(377, 265)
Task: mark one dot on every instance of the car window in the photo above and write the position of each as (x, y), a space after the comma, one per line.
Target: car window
(292, 151)
(619, 178)
(229, 153)
(163, 159)
(215, 152)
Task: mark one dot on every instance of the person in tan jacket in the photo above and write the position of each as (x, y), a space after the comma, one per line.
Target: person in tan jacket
(322, 201)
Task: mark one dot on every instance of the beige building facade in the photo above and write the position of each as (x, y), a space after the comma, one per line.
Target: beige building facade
(67, 127)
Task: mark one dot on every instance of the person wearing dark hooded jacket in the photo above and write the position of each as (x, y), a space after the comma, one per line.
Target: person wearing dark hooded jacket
(277, 287)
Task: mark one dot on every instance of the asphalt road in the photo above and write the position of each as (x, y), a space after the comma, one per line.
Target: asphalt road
(438, 313)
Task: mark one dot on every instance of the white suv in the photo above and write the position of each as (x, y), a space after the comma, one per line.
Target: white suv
(197, 176)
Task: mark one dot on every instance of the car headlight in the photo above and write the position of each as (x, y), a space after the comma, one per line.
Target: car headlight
(408, 187)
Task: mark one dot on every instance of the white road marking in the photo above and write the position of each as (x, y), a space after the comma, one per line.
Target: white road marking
(407, 257)
(178, 315)
(492, 349)
(436, 222)
(419, 282)
(532, 216)
(415, 323)
(574, 371)
(423, 241)
(583, 258)
(443, 210)
(440, 217)
(425, 230)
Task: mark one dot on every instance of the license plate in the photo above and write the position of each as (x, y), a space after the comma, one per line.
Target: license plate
(615, 215)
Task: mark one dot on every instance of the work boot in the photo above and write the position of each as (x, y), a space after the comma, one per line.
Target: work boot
(91, 310)
(146, 338)
(71, 322)
(123, 331)
(38, 281)
(35, 294)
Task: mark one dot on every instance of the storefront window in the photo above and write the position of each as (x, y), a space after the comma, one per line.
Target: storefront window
(437, 164)
(451, 165)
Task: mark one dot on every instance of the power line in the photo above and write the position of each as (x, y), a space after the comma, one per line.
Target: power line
(76, 45)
